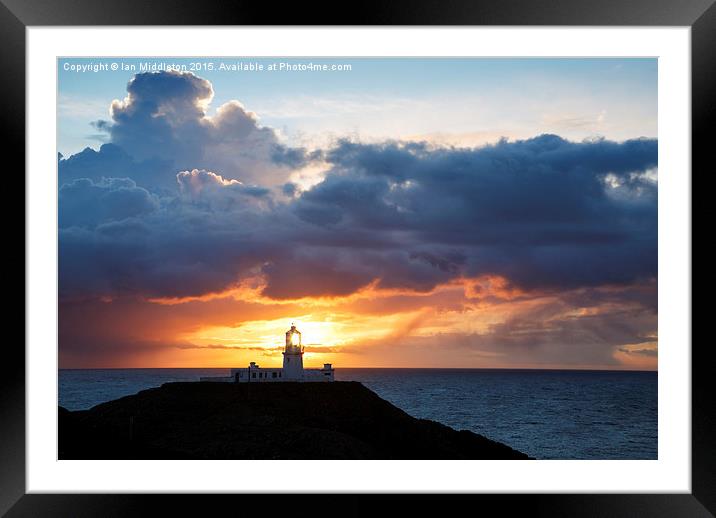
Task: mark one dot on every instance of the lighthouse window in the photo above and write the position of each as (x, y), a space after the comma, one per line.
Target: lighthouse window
(253, 374)
(273, 374)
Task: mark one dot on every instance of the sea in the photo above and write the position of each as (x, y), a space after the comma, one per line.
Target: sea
(547, 414)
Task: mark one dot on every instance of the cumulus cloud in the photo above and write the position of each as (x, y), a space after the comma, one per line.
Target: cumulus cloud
(537, 212)
(294, 157)
(179, 250)
(111, 161)
(83, 202)
(166, 116)
(214, 192)
(161, 115)
(185, 203)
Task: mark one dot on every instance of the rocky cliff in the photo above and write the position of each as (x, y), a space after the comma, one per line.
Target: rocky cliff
(340, 420)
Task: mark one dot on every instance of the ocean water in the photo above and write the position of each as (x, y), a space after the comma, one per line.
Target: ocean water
(546, 414)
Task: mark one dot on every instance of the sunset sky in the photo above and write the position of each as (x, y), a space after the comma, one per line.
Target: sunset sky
(403, 213)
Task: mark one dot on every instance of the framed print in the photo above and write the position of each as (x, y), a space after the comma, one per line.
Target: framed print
(359, 259)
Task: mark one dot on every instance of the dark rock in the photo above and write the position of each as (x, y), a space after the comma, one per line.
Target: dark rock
(340, 420)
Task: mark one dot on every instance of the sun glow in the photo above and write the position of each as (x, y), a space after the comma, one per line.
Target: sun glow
(351, 330)
(325, 333)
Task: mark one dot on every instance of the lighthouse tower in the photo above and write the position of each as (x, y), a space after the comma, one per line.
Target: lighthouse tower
(293, 356)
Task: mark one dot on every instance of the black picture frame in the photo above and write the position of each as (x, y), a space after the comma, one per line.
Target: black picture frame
(16, 15)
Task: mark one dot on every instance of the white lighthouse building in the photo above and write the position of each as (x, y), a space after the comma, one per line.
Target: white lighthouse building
(293, 355)
(292, 367)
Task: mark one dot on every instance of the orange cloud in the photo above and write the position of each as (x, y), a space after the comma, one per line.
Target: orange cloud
(478, 322)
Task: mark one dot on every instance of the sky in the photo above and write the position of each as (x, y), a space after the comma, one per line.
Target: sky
(403, 212)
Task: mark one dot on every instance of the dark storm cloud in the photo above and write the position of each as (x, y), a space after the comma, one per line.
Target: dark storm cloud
(545, 184)
(179, 250)
(449, 262)
(183, 203)
(290, 189)
(111, 161)
(403, 216)
(294, 277)
(294, 157)
(540, 211)
(83, 202)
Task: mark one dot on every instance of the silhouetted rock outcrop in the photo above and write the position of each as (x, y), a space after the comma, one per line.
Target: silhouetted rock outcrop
(340, 420)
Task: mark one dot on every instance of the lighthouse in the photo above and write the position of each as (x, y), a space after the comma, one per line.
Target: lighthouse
(292, 367)
(293, 355)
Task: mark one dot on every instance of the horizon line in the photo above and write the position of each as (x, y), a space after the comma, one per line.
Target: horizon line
(380, 368)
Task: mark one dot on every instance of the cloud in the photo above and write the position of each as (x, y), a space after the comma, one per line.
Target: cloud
(165, 116)
(161, 109)
(294, 276)
(83, 202)
(545, 213)
(295, 157)
(652, 353)
(538, 211)
(180, 250)
(544, 331)
(566, 328)
(214, 192)
(183, 204)
(111, 161)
